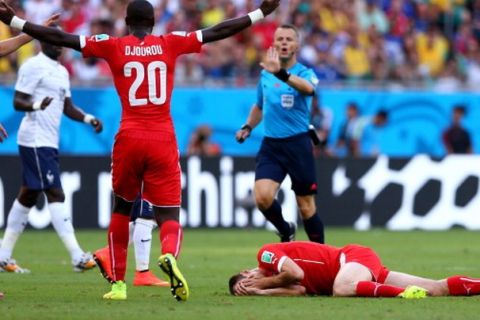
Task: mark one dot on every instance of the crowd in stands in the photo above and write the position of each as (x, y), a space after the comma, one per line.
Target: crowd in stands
(399, 42)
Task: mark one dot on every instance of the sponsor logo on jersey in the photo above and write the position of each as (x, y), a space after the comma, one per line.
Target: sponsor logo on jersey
(314, 80)
(100, 37)
(267, 257)
(143, 51)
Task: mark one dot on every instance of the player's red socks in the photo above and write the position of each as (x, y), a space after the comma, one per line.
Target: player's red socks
(463, 286)
(171, 236)
(375, 289)
(118, 244)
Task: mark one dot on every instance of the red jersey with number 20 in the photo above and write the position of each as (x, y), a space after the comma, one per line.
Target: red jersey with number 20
(143, 72)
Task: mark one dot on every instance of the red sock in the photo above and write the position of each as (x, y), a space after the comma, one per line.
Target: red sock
(171, 236)
(375, 289)
(117, 244)
(463, 286)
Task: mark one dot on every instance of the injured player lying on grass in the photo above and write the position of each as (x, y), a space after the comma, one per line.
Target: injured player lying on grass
(307, 268)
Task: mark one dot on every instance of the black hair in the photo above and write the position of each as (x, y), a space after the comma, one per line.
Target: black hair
(382, 113)
(233, 281)
(352, 105)
(460, 108)
(140, 13)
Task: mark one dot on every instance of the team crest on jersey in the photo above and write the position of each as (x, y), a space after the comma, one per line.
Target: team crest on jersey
(100, 37)
(314, 80)
(268, 257)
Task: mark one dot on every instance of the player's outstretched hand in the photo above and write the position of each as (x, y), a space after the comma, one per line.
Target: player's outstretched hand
(6, 12)
(272, 61)
(3, 133)
(45, 103)
(97, 125)
(52, 20)
(268, 6)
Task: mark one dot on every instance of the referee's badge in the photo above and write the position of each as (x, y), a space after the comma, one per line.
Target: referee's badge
(287, 100)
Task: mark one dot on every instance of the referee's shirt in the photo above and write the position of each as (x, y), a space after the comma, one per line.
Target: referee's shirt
(42, 77)
(286, 111)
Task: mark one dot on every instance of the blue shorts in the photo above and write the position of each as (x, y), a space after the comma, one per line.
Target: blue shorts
(141, 209)
(41, 170)
(292, 156)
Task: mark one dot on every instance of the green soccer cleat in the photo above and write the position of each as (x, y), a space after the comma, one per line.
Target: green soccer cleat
(178, 284)
(119, 291)
(413, 292)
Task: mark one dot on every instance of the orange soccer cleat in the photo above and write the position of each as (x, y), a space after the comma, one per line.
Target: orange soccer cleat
(147, 278)
(85, 263)
(10, 265)
(102, 258)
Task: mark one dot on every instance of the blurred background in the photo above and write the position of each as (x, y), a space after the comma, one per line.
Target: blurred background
(396, 99)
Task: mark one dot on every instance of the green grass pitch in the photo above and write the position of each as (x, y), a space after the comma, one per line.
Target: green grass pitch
(210, 257)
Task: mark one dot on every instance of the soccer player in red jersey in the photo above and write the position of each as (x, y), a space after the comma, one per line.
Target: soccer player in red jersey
(300, 268)
(145, 150)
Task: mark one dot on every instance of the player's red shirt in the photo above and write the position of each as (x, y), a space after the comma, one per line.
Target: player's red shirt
(320, 263)
(143, 72)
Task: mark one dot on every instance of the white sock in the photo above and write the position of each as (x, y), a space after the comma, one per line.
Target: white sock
(142, 241)
(63, 225)
(16, 222)
(131, 228)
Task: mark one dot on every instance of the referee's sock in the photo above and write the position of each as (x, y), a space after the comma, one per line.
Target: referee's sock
(274, 215)
(314, 228)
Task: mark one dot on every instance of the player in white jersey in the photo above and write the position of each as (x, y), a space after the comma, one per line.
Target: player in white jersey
(10, 45)
(42, 91)
(6, 47)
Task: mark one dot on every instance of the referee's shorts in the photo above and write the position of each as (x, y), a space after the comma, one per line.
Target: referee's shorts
(293, 156)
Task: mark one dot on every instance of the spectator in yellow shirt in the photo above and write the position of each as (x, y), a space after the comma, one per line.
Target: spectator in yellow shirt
(356, 62)
(432, 50)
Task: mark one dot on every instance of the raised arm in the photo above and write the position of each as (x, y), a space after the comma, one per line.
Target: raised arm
(230, 27)
(10, 45)
(50, 35)
(272, 65)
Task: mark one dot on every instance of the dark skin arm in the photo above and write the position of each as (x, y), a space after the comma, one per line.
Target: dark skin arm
(77, 114)
(230, 27)
(10, 45)
(45, 34)
(24, 102)
(57, 37)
